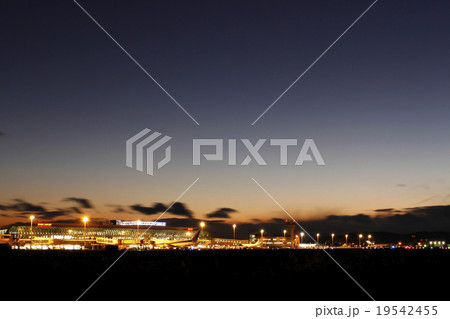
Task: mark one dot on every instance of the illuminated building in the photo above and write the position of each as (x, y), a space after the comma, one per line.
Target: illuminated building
(97, 236)
(272, 241)
(227, 242)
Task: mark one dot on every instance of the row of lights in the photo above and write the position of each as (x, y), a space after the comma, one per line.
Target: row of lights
(318, 237)
(202, 226)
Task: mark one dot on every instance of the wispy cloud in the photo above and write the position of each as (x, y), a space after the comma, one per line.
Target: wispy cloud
(178, 209)
(22, 206)
(221, 213)
(83, 202)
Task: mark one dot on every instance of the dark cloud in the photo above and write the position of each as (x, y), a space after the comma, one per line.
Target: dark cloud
(67, 221)
(50, 215)
(76, 210)
(408, 220)
(22, 209)
(402, 221)
(221, 213)
(75, 221)
(178, 209)
(83, 202)
(119, 209)
(160, 207)
(359, 219)
(22, 206)
(383, 210)
(144, 210)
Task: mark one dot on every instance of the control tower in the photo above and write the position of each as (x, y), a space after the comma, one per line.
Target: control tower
(290, 229)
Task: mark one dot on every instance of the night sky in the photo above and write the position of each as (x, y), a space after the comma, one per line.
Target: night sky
(377, 105)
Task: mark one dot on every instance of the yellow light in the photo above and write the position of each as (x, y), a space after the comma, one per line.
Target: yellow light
(85, 219)
(262, 231)
(360, 236)
(234, 225)
(202, 224)
(332, 235)
(302, 233)
(31, 217)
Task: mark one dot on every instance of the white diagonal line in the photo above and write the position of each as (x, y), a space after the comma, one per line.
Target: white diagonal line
(345, 271)
(121, 255)
(136, 62)
(315, 61)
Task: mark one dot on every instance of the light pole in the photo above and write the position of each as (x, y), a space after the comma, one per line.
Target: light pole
(234, 231)
(137, 232)
(318, 236)
(360, 236)
(301, 237)
(202, 225)
(346, 239)
(85, 219)
(332, 240)
(31, 232)
(262, 239)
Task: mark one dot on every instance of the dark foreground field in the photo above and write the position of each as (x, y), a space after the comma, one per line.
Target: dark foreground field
(225, 275)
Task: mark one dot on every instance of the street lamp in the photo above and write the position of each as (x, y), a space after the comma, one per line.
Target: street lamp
(202, 225)
(85, 220)
(234, 231)
(31, 231)
(346, 239)
(262, 233)
(301, 237)
(318, 236)
(137, 232)
(360, 236)
(332, 240)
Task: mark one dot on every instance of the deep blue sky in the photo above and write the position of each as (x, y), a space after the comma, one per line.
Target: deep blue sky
(377, 104)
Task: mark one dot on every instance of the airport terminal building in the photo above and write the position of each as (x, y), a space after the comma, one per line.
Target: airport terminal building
(74, 236)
